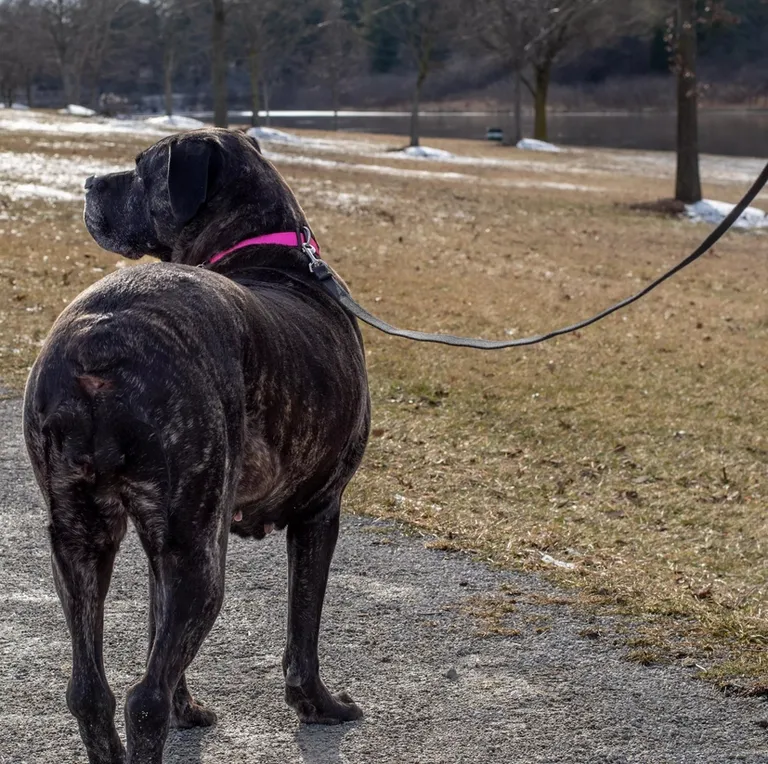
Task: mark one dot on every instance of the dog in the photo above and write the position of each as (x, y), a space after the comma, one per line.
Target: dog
(194, 402)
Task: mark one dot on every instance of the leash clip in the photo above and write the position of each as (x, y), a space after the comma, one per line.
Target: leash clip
(317, 267)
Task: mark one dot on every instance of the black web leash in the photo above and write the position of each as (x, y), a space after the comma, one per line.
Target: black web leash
(331, 285)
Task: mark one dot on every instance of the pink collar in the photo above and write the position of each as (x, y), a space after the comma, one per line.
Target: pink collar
(281, 239)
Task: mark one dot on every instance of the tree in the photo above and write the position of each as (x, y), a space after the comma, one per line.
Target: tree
(274, 30)
(424, 27)
(219, 63)
(688, 180)
(173, 25)
(339, 44)
(534, 35)
(688, 20)
(79, 31)
(19, 49)
(500, 29)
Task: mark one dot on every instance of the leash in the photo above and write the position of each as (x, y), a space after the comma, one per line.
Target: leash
(325, 276)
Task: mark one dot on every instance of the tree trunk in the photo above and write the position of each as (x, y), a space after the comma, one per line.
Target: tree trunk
(265, 91)
(168, 66)
(513, 130)
(335, 97)
(518, 103)
(415, 108)
(71, 83)
(28, 89)
(688, 182)
(219, 65)
(254, 76)
(543, 73)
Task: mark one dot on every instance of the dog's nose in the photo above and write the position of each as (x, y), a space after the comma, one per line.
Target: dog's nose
(89, 182)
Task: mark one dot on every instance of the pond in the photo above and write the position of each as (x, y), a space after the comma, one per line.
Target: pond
(735, 133)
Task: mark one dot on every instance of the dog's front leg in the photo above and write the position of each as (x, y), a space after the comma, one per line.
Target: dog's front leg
(310, 549)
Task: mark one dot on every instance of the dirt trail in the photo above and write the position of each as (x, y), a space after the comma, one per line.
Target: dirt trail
(396, 635)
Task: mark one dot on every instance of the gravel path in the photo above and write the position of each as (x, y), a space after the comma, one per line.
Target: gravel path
(396, 635)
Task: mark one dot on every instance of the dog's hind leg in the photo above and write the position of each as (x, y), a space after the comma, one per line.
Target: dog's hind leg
(185, 712)
(84, 543)
(187, 560)
(311, 544)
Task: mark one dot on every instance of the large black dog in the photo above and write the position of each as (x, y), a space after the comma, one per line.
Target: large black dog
(194, 401)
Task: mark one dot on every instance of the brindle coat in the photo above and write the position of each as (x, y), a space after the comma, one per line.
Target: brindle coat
(194, 402)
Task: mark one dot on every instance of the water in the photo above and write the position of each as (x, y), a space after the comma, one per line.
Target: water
(735, 133)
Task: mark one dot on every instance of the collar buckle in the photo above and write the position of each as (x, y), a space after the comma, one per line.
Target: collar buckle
(317, 267)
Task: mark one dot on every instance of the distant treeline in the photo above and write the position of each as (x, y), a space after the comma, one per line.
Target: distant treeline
(156, 54)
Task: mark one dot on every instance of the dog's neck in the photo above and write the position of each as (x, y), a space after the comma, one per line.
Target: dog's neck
(199, 243)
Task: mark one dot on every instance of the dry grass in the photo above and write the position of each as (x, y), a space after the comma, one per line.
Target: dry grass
(635, 450)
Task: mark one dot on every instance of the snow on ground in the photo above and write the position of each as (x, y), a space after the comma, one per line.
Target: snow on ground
(270, 135)
(336, 145)
(16, 106)
(96, 127)
(715, 169)
(42, 176)
(398, 172)
(531, 144)
(714, 212)
(426, 152)
(181, 123)
(75, 110)
(41, 122)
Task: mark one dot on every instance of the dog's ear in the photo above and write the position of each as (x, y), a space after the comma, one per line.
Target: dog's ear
(188, 168)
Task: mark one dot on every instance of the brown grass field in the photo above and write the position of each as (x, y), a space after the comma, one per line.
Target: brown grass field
(635, 451)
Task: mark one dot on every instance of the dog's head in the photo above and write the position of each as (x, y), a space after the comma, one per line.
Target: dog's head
(188, 196)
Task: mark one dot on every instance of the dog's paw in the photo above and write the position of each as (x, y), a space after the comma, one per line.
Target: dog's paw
(192, 714)
(316, 705)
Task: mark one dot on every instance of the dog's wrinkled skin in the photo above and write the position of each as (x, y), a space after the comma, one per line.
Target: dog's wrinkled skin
(194, 402)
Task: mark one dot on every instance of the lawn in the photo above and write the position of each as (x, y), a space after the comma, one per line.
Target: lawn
(633, 453)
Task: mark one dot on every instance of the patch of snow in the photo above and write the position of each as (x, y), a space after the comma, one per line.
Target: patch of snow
(184, 123)
(75, 110)
(35, 191)
(531, 144)
(32, 175)
(15, 106)
(550, 184)
(270, 135)
(397, 172)
(714, 212)
(41, 122)
(426, 152)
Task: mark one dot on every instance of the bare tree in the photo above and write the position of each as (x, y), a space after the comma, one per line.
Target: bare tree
(424, 27)
(339, 44)
(219, 63)
(683, 25)
(688, 180)
(534, 35)
(500, 28)
(79, 31)
(19, 49)
(274, 30)
(172, 18)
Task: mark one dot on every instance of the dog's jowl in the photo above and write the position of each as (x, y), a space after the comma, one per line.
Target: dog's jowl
(194, 402)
